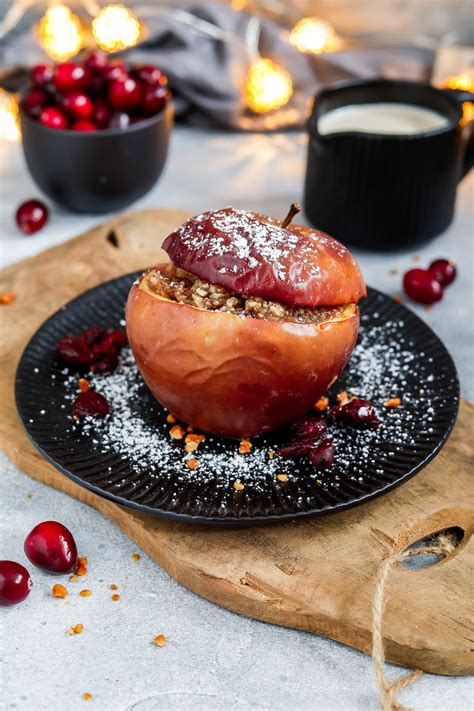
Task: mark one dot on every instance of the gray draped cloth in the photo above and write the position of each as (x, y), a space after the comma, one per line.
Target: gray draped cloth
(207, 75)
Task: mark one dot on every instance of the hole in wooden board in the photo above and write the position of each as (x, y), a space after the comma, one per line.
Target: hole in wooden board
(425, 560)
(113, 239)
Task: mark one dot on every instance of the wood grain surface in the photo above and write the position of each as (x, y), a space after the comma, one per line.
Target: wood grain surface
(316, 575)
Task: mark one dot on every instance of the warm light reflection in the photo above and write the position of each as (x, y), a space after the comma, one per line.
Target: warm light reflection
(467, 112)
(463, 82)
(268, 86)
(9, 118)
(314, 36)
(60, 33)
(116, 27)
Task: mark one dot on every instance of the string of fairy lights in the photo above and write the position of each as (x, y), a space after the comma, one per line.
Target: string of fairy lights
(113, 27)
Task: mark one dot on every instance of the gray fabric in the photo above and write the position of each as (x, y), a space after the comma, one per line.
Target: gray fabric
(207, 75)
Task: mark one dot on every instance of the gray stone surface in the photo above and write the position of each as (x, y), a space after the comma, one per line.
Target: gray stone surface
(214, 659)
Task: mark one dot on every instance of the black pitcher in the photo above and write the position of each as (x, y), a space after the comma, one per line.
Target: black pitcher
(386, 191)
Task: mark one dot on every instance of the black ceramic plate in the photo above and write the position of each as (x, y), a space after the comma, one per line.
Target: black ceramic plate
(130, 458)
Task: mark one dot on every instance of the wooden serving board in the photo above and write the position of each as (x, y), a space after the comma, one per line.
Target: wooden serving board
(316, 575)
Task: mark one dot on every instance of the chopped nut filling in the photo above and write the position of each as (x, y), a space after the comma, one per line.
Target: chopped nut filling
(185, 288)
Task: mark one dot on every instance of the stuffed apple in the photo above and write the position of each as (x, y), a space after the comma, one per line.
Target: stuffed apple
(248, 325)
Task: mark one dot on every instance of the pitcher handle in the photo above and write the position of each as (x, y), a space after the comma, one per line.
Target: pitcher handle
(468, 131)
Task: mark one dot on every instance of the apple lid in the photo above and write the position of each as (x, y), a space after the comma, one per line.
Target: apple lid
(254, 255)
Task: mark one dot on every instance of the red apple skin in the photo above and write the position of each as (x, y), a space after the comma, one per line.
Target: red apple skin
(233, 375)
(252, 254)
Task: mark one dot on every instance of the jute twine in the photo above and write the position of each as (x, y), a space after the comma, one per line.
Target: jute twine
(388, 690)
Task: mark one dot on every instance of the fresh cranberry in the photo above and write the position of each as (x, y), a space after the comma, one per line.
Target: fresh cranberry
(97, 61)
(97, 84)
(443, 270)
(124, 94)
(51, 546)
(53, 117)
(84, 125)
(119, 119)
(150, 75)
(74, 351)
(101, 113)
(107, 364)
(154, 99)
(78, 104)
(15, 583)
(31, 216)
(310, 427)
(41, 75)
(92, 334)
(116, 70)
(322, 456)
(35, 101)
(420, 285)
(71, 75)
(90, 404)
(357, 413)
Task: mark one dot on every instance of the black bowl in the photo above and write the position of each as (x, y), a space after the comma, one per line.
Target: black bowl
(97, 171)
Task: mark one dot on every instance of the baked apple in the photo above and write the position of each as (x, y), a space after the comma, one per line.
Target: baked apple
(250, 323)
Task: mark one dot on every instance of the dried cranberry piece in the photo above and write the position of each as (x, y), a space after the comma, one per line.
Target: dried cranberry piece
(91, 334)
(358, 413)
(90, 404)
(323, 455)
(119, 337)
(310, 427)
(297, 448)
(105, 344)
(107, 364)
(74, 351)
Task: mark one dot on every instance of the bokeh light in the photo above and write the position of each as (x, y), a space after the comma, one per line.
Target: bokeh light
(115, 28)
(268, 86)
(60, 33)
(463, 82)
(314, 36)
(9, 117)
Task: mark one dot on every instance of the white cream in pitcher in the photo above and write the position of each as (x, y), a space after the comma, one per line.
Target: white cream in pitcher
(381, 117)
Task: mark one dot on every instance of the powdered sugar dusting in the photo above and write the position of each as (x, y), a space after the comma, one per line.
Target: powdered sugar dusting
(384, 364)
(251, 241)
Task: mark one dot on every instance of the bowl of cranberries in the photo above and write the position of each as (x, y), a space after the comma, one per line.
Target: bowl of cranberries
(95, 133)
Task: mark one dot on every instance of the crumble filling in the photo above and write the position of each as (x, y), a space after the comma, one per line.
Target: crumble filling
(178, 285)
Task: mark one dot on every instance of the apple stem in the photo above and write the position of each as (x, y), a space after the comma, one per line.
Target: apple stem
(294, 209)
